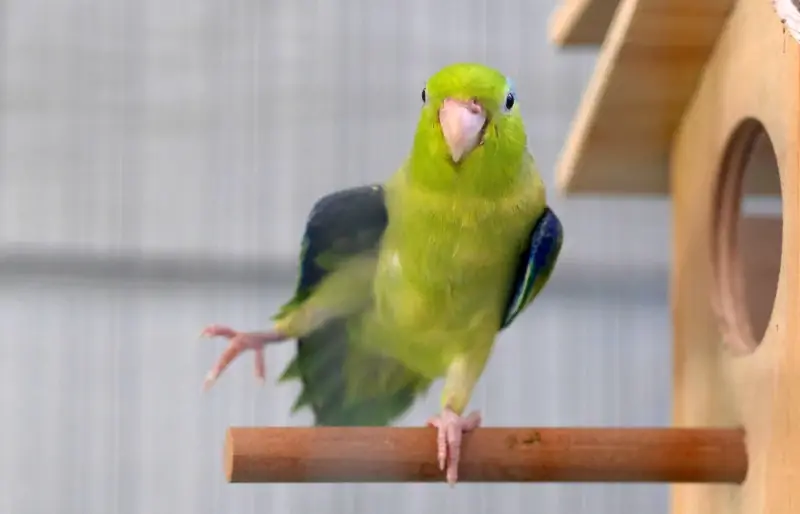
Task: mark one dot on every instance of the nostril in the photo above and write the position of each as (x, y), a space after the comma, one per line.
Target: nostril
(474, 106)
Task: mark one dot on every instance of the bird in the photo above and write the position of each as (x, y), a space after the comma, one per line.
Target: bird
(409, 281)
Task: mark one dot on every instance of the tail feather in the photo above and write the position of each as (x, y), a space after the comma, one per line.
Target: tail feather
(345, 384)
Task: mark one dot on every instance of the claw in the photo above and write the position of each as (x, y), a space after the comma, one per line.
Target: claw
(209, 380)
(239, 342)
(260, 365)
(217, 331)
(451, 427)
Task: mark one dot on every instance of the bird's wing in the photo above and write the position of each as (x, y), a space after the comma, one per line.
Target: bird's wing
(343, 382)
(535, 264)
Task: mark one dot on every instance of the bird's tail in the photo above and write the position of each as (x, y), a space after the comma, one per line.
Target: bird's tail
(345, 383)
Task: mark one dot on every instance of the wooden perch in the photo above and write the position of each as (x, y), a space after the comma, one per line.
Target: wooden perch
(331, 454)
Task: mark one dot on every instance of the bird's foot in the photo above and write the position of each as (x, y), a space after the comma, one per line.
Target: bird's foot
(451, 426)
(239, 342)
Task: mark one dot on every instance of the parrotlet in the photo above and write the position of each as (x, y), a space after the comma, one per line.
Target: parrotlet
(412, 280)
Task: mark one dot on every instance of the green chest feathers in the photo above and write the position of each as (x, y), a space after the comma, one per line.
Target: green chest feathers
(446, 265)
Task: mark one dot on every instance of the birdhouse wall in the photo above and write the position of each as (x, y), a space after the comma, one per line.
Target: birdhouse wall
(750, 84)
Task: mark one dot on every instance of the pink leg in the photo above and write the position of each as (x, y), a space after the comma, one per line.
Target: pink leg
(451, 426)
(239, 342)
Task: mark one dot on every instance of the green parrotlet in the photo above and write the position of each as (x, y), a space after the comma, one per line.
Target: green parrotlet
(412, 280)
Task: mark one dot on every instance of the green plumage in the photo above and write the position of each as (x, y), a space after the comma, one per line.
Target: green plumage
(407, 282)
(343, 383)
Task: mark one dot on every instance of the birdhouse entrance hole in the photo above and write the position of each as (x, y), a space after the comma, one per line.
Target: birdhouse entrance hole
(746, 248)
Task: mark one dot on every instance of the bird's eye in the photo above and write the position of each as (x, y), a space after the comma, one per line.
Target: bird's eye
(424, 96)
(509, 101)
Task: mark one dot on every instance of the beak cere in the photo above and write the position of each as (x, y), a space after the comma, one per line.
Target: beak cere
(462, 126)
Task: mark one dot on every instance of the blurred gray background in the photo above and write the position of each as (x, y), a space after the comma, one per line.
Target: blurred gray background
(157, 162)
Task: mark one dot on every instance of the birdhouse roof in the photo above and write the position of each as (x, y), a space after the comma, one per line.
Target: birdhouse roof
(652, 56)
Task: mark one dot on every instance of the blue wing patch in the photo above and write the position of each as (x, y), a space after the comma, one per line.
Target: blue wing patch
(535, 265)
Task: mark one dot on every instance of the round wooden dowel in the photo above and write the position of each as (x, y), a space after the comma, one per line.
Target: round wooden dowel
(332, 454)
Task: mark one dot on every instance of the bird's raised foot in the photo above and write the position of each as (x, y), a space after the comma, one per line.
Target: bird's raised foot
(451, 426)
(239, 342)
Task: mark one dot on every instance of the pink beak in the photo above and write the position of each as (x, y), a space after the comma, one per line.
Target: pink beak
(462, 125)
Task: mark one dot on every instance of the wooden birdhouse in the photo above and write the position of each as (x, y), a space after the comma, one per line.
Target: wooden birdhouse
(700, 100)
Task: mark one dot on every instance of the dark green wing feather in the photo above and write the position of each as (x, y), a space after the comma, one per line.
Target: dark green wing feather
(535, 264)
(342, 382)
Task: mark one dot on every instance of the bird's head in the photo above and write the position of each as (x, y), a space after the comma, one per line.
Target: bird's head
(471, 122)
